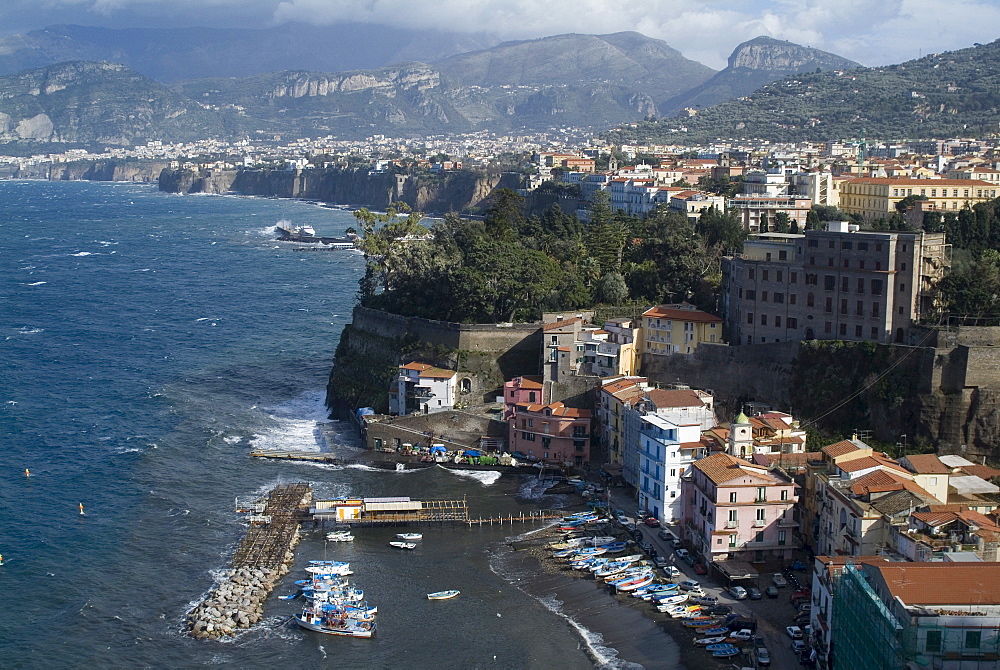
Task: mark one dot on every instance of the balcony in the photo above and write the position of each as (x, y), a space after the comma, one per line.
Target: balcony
(732, 524)
(759, 523)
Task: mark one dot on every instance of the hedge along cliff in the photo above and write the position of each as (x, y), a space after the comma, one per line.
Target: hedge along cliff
(446, 192)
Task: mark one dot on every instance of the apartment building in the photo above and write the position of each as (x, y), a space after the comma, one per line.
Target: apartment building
(666, 450)
(552, 433)
(757, 212)
(421, 388)
(734, 509)
(678, 329)
(875, 197)
(839, 283)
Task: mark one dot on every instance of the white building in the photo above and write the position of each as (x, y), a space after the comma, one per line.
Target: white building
(666, 450)
(421, 389)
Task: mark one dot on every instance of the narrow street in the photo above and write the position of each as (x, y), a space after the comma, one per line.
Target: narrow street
(772, 614)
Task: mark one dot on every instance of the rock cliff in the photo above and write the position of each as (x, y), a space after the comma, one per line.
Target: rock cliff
(448, 192)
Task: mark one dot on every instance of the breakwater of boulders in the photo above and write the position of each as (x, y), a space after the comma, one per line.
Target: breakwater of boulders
(262, 558)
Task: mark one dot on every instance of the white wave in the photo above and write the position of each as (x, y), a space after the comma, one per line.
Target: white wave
(204, 318)
(127, 450)
(37, 283)
(604, 657)
(82, 253)
(294, 425)
(232, 439)
(105, 243)
(143, 270)
(29, 331)
(484, 477)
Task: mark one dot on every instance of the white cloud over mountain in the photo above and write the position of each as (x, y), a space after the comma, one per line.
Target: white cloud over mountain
(872, 32)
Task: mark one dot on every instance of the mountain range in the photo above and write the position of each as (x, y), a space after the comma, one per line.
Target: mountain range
(394, 83)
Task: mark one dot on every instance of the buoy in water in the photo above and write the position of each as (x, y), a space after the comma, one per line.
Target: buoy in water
(27, 472)
(81, 510)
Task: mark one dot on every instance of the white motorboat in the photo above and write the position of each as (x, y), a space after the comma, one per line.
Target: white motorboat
(403, 545)
(442, 595)
(410, 537)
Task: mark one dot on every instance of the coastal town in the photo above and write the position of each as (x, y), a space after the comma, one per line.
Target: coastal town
(725, 487)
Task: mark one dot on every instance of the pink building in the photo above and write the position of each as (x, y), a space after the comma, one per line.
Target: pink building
(736, 510)
(552, 433)
(525, 389)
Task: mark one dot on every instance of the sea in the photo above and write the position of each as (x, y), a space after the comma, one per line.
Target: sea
(148, 343)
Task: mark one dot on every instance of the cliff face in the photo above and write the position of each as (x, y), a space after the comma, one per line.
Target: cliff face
(453, 191)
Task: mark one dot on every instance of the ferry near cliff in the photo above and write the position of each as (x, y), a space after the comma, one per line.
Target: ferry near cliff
(288, 232)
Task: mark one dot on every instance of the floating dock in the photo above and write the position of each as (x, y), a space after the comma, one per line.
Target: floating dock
(389, 511)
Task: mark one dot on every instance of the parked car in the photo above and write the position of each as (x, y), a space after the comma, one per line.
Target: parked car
(706, 600)
(805, 607)
(719, 609)
(738, 592)
(798, 646)
(645, 546)
(753, 593)
(794, 632)
(700, 569)
(682, 552)
(676, 543)
(744, 635)
(771, 591)
(779, 580)
(689, 559)
(660, 562)
(689, 585)
(671, 571)
(652, 522)
(665, 534)
(763, 657)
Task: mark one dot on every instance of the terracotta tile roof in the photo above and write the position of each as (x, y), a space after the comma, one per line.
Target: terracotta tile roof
(874, 482)
(859, 464)
(721, 467)
(981, 471)
(557, 409)
(839, 448)
(429, 371)
(676, 314)
(927, 464)
(561, 324)
(942, 583)
(619, 384)
(526, 382)
(935, 519)
(675, 398)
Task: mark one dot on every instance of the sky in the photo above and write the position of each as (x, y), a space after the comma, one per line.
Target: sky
(871, 32)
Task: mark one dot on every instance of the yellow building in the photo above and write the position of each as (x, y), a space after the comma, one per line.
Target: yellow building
(678, 329)
(874, 197)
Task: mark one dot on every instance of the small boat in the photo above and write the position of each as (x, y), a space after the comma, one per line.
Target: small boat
(705, 641)
(291, 596)
(323, 622)
(340, 536)
(724, 632)
(725, 653)
(403, 545)
(442, 595)
(409, 537)
(636, 583)
(721, 646)
(670, 602)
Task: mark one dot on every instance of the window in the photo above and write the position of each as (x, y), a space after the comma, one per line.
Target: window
(759, 537)
(874, 333)
(857, 331)
(972, 639)
(810, 300)
(862, 246)
(794, 277)
(902, 287)
(828, 327)
(829, 305)
(859, 308)
(792, 323)
(784, 494)
(761, 495)
(732, 497)
(844, 286)
(902, 266)
(779, 297)
(750, 317)
(847, 263)
(763, 296)
(751, 273)
(843, 306)
(777, 322)
(763, 319)
(830, 244)
(763, 274)
(876, 287)
(861, 285)
(932, 481)
(846, 245)
(813, 243)
(781, 537)
(782, 256)
(829, 261)
(875, 309)
(829, 282)
(843, 329)
(531, 396)
(751, 294)
(791, 299)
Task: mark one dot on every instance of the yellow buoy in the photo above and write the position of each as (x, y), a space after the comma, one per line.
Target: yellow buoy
(81, 509)
(27, 472)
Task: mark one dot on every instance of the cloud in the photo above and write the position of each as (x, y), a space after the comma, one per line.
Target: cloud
(872, 32)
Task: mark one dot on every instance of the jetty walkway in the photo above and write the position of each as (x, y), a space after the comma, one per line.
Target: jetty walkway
(262, 557)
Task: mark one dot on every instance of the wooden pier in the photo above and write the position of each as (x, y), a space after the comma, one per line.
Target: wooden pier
(534, 515)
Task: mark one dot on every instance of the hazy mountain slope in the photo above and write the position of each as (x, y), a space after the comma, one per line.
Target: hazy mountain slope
(184, 53)
(753, 64)
(107, 103)
(949, 94)
(625, 59)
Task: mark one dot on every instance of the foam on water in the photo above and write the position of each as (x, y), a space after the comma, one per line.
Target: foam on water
(82, 253)
(294, 425)
(604, 657)
(484, 477)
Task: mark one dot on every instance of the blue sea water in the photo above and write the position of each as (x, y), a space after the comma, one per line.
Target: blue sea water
(148, 342)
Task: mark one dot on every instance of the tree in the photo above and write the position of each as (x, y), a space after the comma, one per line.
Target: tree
(782, 222)
(503, 214)
(611, 289)
(382, 245)
(606, 233)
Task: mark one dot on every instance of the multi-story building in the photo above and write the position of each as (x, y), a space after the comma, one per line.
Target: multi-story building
(421, 388)
(678, 329)
(839, 283)
(666, 451)
(876, 197)
(523, 389)
(756, 213)
(895, 616)
(615, 419)
(552, 433)
(734, 509)
(765, 433)
(610, 351)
